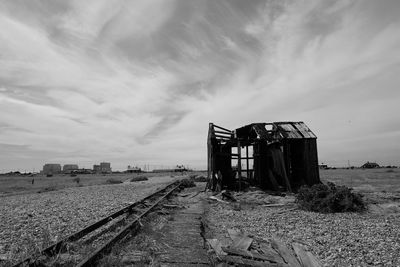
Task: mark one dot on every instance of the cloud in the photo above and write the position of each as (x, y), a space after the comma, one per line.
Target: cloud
(138, 82)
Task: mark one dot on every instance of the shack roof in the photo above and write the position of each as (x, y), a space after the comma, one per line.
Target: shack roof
(284, 130)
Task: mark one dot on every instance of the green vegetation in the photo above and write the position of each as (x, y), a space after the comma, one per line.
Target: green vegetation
(329, 198)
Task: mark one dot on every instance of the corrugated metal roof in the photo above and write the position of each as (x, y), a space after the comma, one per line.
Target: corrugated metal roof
(295, 130)
(260, 130)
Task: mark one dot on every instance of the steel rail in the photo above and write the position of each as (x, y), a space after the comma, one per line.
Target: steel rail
(134, 225)
(56, 247)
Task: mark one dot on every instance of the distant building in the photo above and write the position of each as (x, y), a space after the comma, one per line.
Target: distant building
(105, 167)
(370, 165)
(131, 169)
(96, 168)
(68, 168)
(323, 166)
(51, 168)
(180, 168)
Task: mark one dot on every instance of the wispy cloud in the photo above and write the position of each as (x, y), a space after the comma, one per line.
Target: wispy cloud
(139, 81)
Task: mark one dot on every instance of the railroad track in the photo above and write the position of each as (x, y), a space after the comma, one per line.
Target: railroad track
(87, 246)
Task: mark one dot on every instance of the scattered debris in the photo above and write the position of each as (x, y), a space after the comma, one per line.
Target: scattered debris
(184, 194)
(240, 240)
(217, 247)
(217, 199)
(172, 206)
(285, 253)
(306, 258)
(185, 183)
(228, 196)
(198, 178)
(244, 250)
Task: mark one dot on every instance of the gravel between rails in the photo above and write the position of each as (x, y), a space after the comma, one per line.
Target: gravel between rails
(341, 239)
(30, 222)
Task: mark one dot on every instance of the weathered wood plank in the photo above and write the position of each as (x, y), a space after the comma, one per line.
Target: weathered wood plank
(233, 234)
(285, 253)
(306, 258)
(252, 254)
(243, 242)
(242, 262)
(216, 246)
(270, 252)
(239, 240)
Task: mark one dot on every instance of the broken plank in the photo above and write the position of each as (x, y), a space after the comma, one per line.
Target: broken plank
(267, 250)
(251, 254)
(216, 246)
(240, 240)
(233, 234)
(243, 242)
(306, 258)
(172, 206)
(285, 253)
(239, 261)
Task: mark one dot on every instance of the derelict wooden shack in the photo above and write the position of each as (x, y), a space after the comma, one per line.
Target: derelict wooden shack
(279, 156)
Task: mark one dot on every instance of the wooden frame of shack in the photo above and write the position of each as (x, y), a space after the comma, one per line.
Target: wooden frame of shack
(278, 156)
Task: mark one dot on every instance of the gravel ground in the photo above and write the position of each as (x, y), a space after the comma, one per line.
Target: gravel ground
(28, 222)
(341, 239)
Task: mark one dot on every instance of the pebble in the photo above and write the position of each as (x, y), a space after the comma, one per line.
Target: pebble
(32, 221)
(340, 239)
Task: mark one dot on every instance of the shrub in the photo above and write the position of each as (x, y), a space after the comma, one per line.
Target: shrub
(329, 198)
(113, 181)
(139, 178)
(187, 183)
(196, 178)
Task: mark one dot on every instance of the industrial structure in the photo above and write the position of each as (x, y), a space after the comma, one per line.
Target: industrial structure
(96, 168)
(133, 169)
(279, 156)
(370, 165)
(105, 167)
(69, 168)
(51, 168)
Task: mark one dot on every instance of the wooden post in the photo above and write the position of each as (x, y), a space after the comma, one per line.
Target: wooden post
(247, 161)
(239, 168)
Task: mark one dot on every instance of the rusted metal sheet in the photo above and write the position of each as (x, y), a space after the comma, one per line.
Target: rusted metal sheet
(260, 131)
(289, 131)
(304, 130)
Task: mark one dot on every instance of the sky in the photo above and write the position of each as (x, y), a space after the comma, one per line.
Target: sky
(137, 82)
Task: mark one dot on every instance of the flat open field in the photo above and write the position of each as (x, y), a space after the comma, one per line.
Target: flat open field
(30, 220)
(365, 180)
(32, 216)
(12, 185)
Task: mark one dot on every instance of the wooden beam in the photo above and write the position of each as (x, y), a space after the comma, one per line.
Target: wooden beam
(221, 128)
(239, 167)
(247, 161)
(306, 258)
(271, 257)
(285, 253)
(222, 137)
(220, 132)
